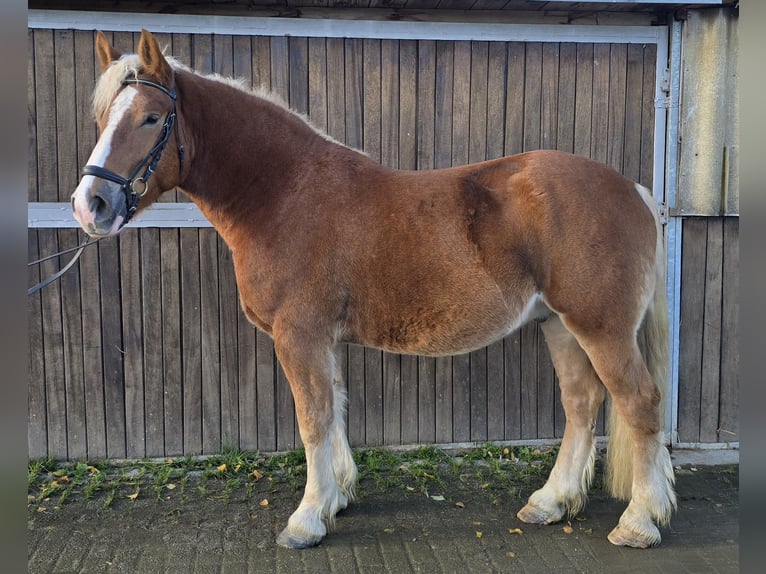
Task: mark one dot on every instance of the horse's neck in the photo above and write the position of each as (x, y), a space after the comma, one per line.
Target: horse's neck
(247, 153)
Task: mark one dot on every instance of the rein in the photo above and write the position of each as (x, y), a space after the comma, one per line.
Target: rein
(150, 161)
(78, 251)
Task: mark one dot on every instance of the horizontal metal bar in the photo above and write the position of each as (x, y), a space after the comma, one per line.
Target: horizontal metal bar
(337, 28)
(59, 216)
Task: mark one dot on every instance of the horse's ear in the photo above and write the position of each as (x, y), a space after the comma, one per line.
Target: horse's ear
(152, 60)
(105, 51)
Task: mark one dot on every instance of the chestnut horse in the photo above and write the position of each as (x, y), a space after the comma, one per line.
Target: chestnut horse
(330, 247)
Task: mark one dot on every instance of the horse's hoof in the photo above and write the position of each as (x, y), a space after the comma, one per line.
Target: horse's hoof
(536, 515)
(621, 536)
(287, 540)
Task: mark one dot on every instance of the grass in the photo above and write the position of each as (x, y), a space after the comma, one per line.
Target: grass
(499, 471)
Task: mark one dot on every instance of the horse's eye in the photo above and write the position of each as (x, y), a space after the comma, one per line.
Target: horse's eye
(151, 119)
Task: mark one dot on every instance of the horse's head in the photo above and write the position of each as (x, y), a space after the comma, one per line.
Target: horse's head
(134, 104)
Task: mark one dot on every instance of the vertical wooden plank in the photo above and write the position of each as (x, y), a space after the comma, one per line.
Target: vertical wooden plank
(528, 361)
(336, 89)
(513, 392)
(443, 93)
(478, 370)
(210, 343)
(113, 349)
(392, 399)
(132, 336)
(410, 403)
(546, 385)
(45, 117)
(172, 351)
(711, 336)
(357, 411)
(692, 327)
(600, 106)
(443, 399)
(566, 105)
(152, 311)
(633, 110)
(47, 176)
(728, 425)
(496, 87)
(413, 148)
(392, 138)
(32, 144)
(287, 437)
(37, 440)
(299, 74)
(617, 81)
(266, 392)
(317, 82)
(373, 398)
(223, 62)
(88, 267)
(461, 103)
(647, 115)
(549, 95)
(477, 136)
(514, 98)
(426, 400)
(191, 338)
(495, 392)
(71, 315)
(424, 77)
(583, 100)
(229, 314)
(533, 96)
(280, 67)
(261, 46)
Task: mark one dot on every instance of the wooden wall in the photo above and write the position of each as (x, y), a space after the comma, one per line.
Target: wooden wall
(708, 406)
(143, 351)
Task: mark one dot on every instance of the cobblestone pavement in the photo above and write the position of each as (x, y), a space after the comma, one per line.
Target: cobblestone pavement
(388, 531)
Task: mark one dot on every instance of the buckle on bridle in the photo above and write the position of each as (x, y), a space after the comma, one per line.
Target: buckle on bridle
(139, 180)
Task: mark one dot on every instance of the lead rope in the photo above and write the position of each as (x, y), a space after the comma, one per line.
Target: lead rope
(78, 251)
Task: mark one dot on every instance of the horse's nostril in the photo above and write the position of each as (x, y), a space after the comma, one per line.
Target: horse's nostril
(97, 205)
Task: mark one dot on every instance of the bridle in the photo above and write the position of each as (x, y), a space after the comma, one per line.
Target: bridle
(150, 161)
(127, 185)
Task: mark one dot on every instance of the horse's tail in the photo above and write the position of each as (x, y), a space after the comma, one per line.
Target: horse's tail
(653, 341)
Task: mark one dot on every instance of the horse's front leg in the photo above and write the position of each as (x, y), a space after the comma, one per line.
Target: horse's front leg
(309, 368)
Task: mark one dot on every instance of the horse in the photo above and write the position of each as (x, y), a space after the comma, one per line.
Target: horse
(331, 247)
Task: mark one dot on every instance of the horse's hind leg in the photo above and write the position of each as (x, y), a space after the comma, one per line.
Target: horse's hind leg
(309, 369)
(636, 398)
(581, 395)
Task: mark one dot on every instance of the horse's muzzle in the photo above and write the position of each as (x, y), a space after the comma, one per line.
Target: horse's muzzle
(99, 207)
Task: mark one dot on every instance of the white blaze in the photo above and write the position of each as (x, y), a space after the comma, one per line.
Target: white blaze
(100, 153)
